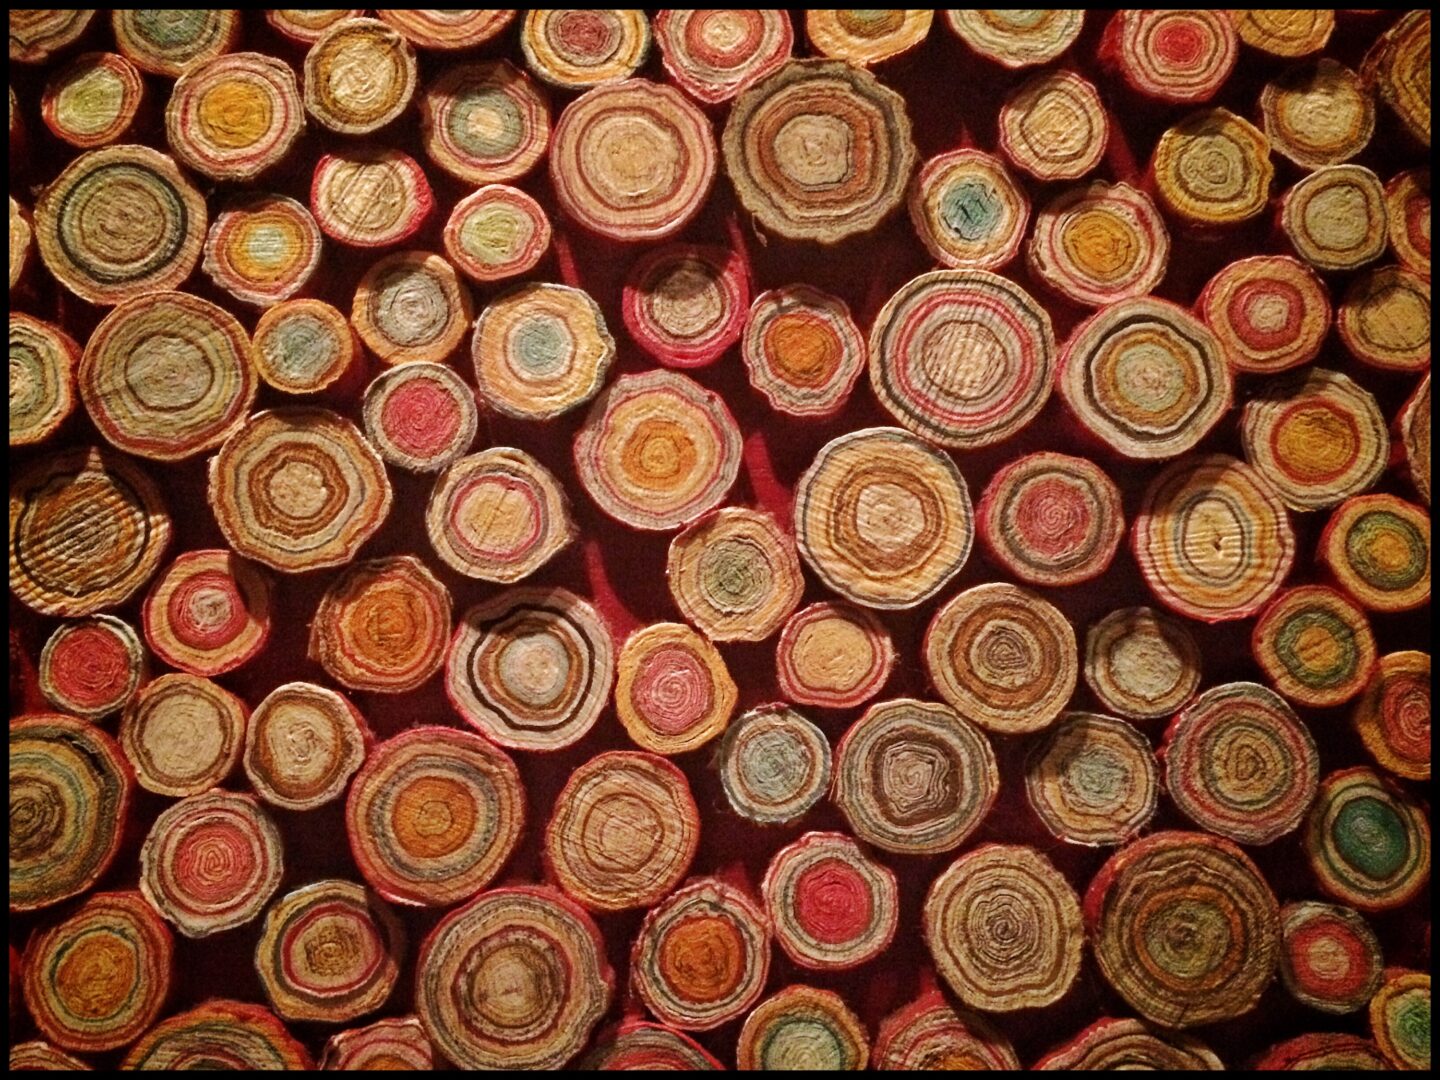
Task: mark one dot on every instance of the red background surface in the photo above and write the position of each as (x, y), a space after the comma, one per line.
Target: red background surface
(953, 98)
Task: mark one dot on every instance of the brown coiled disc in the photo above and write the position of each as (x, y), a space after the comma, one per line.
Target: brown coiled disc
(801, 1027)
(219, 1034)
(302, 745)
(92, 668)
(208, 613)
(370, 197)
(1319, 114)
(263, 249)
(929, 1034)
(1130, 1044)
(235, 116)
(92, 100)
(1384, 319)
(43, 359)
(411, 307)
(496, 233)
(1213, 169)
(836, 656)
(1377, 548)
(1017, 39)
(1400, 1019)
(168, 375)
(882, 518)
(735, 575)
(35, 35)
(515, 979)
(1055, 126)
(1141, 663)
(445, 30)
(37, 1055)
(1335, 217)
(1003, 927)
(968, 211)
(1398, 66)
(87, 530)
(1099, 243)
(399, 1043)
(819, 151)
(304, 346)
(1003, 657)
(1270, 312)
(638, 1045)
(863, 38)
(359, 76)
(1284, 33)
(483, 123)
(673, 692)
(382, 625)
(1184, 928)
(170, 43)
(633, 160)
(1315, 646)
(802, 350)
(774, 765)
(298, 489)
(118, 222)
(1093, 781)
(575, 49)
(713, 55)
(623, 832)
(183, 735)
(914, 777)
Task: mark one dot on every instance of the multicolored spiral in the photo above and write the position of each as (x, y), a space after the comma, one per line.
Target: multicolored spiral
(1384, 319)
(1323, 1051)
(304, 346)
(1141, 663)
(1015, 38)
(1330, 958)
(1368, 844)
(640, 1045)
(235, 116)
(1284, 33)
(93, 100)
(219, 1034)
(832, 906)
(1054, 126)
(370, 198)
(495, 233)
(1400, 1019)
(1113, 1044)
(802, 350)
(411, 307)
(1314, 644)
(967, 210)
(863, 38)
(1398, 67)
(714, 55)
(735, 575)
(673, 692)
(359, 75)
(484, 123)
(208, 613)
(399, 1043)
(836, 656)
(1377, 548)
(1094, 780)
(91, 668)
(931, 1035)
(1270, 312)
(774, 765)
(43, 359)
(1335, 217)
(183, 735)
(421, 416)
(35, 35)
(1183, 57)
(801, 1027)
(1099, 244)
(171, 43)
(1393, 715)
(263, 249)
(1317, 115)
(685, 304)
(37, 1055)
(577, 49)
(1213, 169)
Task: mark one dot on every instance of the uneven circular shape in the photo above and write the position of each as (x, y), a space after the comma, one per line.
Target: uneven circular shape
(882, 518)
(866, 37)
(658, 450)
(632, 160)
(531, 668)
(87, 529)
(540, 350)
(833, 655)
(498, 515)
(91, 668)
(1413, 432)
(1329, 1052)
(308, 27)
(623, 831)
(1377, 548)
(263, 249)
(382, 625)
(802, 350)
(1315, 646)
(1368, 844)
(302, 745)
(298, 489)
(496, 233)
(359, 76)
(399, 1043)
(1330, 958)
(1384, 319)
(1407, 214)
(171, 43)
(637, 1045)
(1002, 657)
(97, 980)
(1270, 313)
(1017, 39)
(433, 815)
(1173, 56)
(219, 1034)
(1400, 1019)
(1111, 1044)
(913, 777)
(1240, 763)
(1317, 436)
(1093, 781)
(963, 358)
(832, 906)
(483, 123)
(515, 979)
(713, 55)
(1054, 126)
(421, 416)
(1284, 33)
(575, 49)
(70, 792)
(1051, 519)
(774, 765)
(820, 150)
(92, 100)
(928, 1034)
(183, 735)
(702, 955)
(1393, 716)
(1004, 929)
(235, 116)
(208, 613)
(735, 575)
(445, 30)
(800, 1027)
(673, 692)
(1146, 377)
(118, 222)
(1213, 169)
(1141, 663)
(1184, 928)
(685, 304)
(303, 346)
(1099, 243)
(1316, 115)
(211, 862)
(35, 35)
(1398, 66)
(329, 951)
(42, 379)
(967, 210)
(168, 375)
(1212, 539)
(1335, 217)
(370, 197)
(410, 307)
